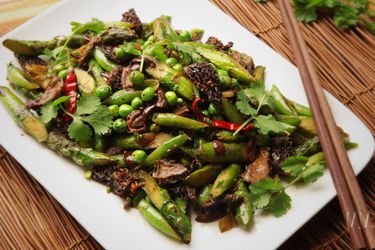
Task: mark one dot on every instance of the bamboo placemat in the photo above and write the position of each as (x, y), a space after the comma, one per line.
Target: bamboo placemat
(32, 219)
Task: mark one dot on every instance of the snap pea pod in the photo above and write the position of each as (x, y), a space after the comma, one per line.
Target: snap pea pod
(176, 121)
(155, 218)
(165, 74)
(167, 207)
(80, 155)
(28, 94)
(19, 78)
(244, 212)
(231, 112)
(226, 62)
(225, 179)
(205, 194)
(234, 152)
(203, 176)
(122, 96)
(163, 30)
(280, 102)
(259, 73)
(24, 118)
(96, 71)
(299, 108)
(165, 149)
(182, 204)
(102, 60)
(290, 119)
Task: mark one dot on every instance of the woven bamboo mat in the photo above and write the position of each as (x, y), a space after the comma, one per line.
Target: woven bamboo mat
(32, 219)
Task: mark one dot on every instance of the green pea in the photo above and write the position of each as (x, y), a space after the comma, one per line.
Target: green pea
(120, 53)
(171, 98)
(205, 112)
(125, 110)
(138, 156)
(154, 128)
(119, 125)
(185, 36)
(147, 94)
(171, 61)
(178, 67)
(103, 91)
(180, 101)
(137, 77)
(212, 109)
(62, 74)
(136, 102)
(113, 110)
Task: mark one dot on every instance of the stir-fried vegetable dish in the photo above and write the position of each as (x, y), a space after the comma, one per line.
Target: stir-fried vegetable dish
(178, 128)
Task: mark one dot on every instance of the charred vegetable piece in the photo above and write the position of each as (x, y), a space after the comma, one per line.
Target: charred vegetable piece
(226, 62)
(176, 121)
(227, 223)
(22, 115)
(203, 176)
(205, 194)
(258, 73)
(233, 152)
(225, 179)
(230, 111)
(122, 96)
(85, 81)
(19, 78)
(82, 156)
(165, 149)
(28, 48)
(244, 212)
(165, 74)
(307, 126)
(154, 217)
(96, 71)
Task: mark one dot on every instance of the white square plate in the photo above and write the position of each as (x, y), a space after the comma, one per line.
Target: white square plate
(103, 214)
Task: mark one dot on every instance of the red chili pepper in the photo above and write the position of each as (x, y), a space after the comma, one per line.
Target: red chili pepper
(217, 123)
(70, 89)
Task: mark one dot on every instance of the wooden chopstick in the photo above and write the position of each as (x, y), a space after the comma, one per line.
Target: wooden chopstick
(352, 203)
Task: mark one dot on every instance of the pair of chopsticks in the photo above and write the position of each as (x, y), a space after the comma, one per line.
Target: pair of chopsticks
(353, 205)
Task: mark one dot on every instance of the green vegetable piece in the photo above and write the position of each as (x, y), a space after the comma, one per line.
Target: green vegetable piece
(103, 61)
(28, 48)
(113, 110)
(80, 155)
(178, 67)
(138, 156)
(226, 62)
(137, 77)
(171, 61)
(315, 158)
(19, 78)
(132, 142)
(163, 30)
(227, 136)
(300, 109)
(196, 34)
(96, 71)
(176, 121)
(171, 98)
(152, 83)
(136, 102)
(24, 118)
(62, 74)
(103, 91)
(205, 194)
(153, 217)
(182, 204)
(178, 220)
(164, 149)
(122, 96)
(205, 113)
(120, 53)
(230, 111)
(213, 109)
(290, 119)
(203, 176)
(119, 125)
(259, 72)
(307, 126)
(152, 189)
(125, 110)
(148, 94)
(85, 81)
(100, 143)
(280, 102)
(225, 179)
(244, 212)
(163, 73)
(155, 128)
(234, 152)
(185, 36)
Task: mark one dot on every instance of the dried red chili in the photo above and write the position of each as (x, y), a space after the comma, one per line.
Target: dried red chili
(70, 89)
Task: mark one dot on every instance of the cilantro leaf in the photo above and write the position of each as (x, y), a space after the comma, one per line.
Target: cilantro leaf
(279, 203)
(87, 104)
(101, 121)
(79, 131)
(50, 110)
(243, 105)
(294, 165)
(262, 191)
(312, 173)
(267, 124)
